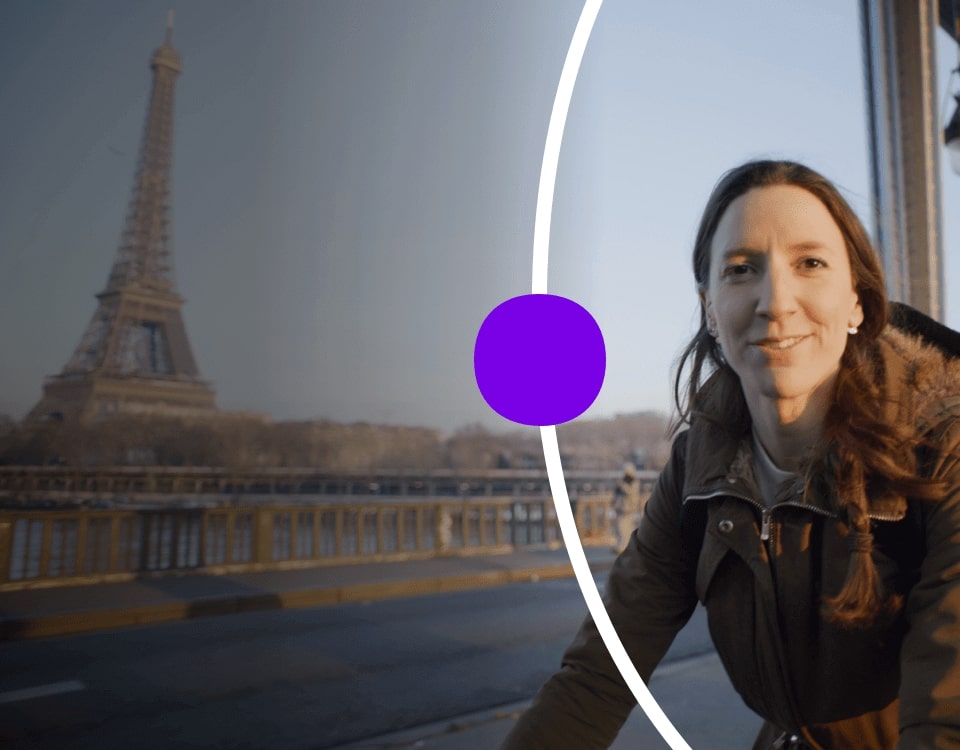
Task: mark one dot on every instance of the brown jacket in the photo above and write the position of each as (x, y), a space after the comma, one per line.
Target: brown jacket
(760, 573)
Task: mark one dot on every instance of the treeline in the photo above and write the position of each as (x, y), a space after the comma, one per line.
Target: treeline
(249, 441)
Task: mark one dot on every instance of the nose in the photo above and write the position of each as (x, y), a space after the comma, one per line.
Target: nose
(777, 294)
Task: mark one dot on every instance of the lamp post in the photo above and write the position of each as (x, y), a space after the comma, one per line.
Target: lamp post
(906, 138)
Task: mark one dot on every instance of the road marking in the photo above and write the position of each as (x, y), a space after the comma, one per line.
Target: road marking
(41, 691)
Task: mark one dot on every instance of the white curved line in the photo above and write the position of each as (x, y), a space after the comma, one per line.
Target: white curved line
(551, 148)
(548, 434)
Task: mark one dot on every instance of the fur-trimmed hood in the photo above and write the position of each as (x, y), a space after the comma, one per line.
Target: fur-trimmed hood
(921, 377)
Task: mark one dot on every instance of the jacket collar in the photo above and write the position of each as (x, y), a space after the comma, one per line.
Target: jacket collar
(719, 464)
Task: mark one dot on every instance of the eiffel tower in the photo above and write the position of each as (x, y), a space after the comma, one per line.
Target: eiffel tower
(134, 357)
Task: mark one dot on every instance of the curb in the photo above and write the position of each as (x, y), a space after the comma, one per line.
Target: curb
(71, 623)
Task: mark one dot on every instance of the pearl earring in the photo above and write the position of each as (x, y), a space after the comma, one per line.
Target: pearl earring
(852, 330)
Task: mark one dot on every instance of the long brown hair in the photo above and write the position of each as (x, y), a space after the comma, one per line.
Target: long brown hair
(860, 450)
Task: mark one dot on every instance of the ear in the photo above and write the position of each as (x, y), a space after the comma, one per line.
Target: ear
(708, 312)
(856, 315)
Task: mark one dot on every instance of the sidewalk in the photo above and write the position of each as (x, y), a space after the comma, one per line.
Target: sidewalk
(694, 693)
(63, 610)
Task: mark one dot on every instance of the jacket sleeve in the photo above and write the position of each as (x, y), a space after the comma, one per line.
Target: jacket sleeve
(649, 596)
(930, 658)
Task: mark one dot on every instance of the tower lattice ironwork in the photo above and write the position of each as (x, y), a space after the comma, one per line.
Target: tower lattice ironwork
(135, 356)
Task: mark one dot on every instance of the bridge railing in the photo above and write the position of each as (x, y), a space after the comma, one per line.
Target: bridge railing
(119, 483)
(63, 547)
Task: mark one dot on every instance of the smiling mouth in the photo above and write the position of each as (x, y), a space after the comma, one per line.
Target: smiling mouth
(780, 344)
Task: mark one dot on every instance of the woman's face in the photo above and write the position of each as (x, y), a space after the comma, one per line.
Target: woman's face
(780, 296)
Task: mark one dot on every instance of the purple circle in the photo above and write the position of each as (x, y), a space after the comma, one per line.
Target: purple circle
(539, 359)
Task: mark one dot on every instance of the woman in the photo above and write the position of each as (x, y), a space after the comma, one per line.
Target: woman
(813, 505)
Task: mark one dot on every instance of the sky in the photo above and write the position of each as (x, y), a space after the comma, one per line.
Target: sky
(355, 183)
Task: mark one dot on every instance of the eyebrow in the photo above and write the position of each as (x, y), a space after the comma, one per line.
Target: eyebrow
(807, 246)
(799, 247)
(740, 252)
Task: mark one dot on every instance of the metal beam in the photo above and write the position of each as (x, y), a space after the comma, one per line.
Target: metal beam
(899, 46)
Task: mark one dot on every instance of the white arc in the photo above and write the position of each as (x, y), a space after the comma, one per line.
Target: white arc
(548, 434)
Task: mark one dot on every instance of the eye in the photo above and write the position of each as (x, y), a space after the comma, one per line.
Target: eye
(735, 269)
(812, 263)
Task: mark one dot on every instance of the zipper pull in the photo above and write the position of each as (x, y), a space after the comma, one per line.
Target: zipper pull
(765, 524)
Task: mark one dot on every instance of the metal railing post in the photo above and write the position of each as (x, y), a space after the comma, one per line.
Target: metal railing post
(6, 546)
(263, 535)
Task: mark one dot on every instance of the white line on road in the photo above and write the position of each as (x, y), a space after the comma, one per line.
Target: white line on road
(41, 691)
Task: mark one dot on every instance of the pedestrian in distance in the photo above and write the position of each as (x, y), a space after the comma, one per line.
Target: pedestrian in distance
(811, 502)
(626, 507)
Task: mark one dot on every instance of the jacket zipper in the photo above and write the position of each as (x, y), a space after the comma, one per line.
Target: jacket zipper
(767, 510)
(765, 513)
